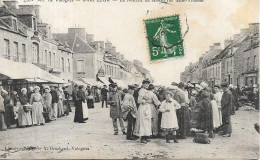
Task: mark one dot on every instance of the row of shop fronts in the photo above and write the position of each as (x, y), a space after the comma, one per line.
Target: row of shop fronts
(32, 54)
(237, 63)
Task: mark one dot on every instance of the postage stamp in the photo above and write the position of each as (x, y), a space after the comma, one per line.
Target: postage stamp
(164, 37)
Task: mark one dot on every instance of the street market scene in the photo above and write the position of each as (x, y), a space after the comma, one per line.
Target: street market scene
(66, 95)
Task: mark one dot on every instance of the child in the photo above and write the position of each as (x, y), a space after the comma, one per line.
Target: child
(129, 112)
(169, 123)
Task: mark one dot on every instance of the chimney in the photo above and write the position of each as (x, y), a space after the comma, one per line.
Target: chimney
(11, 4)
(102, 44)
(90, 38)
(36, 10)
(236, 36)
(217, 46)
(244, 32)
(113, 49)
(108, 46)
(253, 28)
(211, 48)
(227, 42)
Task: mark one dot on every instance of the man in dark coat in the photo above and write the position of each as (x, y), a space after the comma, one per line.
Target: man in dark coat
(104, 92)
(136, 94)
(226, 108)
(81, 97)
(114, 101)
(54, 102)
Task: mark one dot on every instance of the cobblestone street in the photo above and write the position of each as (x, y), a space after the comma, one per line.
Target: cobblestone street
(64, 138)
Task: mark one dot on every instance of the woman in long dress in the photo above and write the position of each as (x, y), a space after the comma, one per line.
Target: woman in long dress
(154, 104)
(143, 127)
(24, 116)
(47, 99)
(81, 98)
(215, 113)
(37, 107)
(60, 103)
(90, 97)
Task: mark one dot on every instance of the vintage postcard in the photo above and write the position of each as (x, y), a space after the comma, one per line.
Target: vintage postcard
(129, 79)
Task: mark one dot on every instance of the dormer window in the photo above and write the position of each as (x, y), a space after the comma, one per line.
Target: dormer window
(15, 25)
(34, 25)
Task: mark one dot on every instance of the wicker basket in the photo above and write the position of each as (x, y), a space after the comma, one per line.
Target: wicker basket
(27, 107)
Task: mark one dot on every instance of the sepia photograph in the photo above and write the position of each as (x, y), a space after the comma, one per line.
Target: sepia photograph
(129, 79)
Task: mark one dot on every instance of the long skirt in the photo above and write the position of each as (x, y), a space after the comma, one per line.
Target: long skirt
(184, 121)
(215, 115)
(49, 109)
(60, 108)
(78, 112)
(24, 118)
(85, 110)
(9, 115)
(154, 114)
(2, 122)
(143, 121)
(90, 103)
(37, 116)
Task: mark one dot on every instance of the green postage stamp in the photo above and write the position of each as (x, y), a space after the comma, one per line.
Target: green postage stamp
(164, 37)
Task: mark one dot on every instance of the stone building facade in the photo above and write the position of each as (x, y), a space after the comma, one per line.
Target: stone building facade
(237, 63)
(24, 38)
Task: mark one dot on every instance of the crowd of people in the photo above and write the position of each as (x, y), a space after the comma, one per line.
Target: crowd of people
(174, 112)
(31, 108)
(150, 111)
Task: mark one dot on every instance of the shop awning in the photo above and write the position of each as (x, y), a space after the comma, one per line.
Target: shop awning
(18, 70)
(104, 80)
(120, 83)
(79, 82)
(89, 81)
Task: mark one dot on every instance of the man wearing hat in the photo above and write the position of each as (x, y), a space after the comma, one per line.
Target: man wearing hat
(226, 108)
(104, 92)
(54, 102)
(114, 101)
(129, 112)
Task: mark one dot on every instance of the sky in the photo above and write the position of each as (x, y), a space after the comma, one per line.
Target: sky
(122, 24)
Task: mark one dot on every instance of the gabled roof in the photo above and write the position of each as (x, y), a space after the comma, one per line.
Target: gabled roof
(24, 11)
(81, 46)
(6, 12)
(4, 25)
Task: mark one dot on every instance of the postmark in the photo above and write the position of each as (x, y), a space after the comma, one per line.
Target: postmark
(164, 37)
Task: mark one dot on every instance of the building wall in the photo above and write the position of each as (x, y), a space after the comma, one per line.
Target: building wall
(251, 67)
(13, 37)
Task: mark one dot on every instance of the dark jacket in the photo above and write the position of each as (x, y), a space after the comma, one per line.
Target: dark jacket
(104, 92)
(226, 103)
(23, 99)
(81, 96)
(54, 96)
